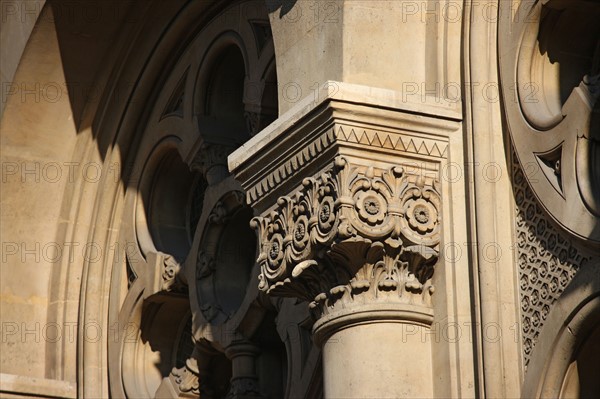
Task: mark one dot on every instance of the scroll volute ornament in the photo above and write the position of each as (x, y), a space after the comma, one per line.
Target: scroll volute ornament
(550, 72)
(352, 230)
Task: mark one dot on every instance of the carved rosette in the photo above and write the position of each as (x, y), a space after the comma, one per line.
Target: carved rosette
(352, 232)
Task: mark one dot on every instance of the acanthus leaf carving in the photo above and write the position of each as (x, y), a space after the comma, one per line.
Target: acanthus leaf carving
(352, 230)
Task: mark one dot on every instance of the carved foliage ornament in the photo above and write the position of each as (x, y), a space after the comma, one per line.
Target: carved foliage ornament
(186, 378)
(349, 231)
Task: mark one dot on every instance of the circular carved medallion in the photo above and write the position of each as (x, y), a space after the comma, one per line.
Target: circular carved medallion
(550, 72)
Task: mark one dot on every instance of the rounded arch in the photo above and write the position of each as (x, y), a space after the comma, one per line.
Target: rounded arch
(141, 285)
(211, 56)
(548, 54)
(219, 95)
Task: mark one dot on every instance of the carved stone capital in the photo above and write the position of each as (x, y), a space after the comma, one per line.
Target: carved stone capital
(353, 231)
(348, 199)
(211, 161)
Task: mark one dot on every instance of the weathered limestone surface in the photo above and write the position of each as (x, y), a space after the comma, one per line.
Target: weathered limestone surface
(37, 140)
(18, 20)
(299, 199)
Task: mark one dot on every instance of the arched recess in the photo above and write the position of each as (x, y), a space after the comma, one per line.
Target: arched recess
(564, 362)
(178, 192)
(176, 287)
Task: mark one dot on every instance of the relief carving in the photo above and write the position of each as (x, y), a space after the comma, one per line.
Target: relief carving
(172, 276)
(353, 230)
(551, 106)
(547, 259)
(223, 244)
(186, 378)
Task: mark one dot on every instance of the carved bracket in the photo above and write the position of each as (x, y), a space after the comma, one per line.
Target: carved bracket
(186, 378)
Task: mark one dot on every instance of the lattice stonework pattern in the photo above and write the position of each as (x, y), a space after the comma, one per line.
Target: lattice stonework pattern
(547, 260)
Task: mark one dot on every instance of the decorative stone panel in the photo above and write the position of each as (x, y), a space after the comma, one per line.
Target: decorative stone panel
(547, 258)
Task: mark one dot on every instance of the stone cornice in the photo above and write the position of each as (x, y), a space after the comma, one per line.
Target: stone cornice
(313, 133)
(374, 98)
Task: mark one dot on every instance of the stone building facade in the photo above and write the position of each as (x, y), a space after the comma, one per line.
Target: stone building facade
(300, 199)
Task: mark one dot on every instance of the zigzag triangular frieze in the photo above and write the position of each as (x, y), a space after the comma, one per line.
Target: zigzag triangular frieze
(411, 147)
(423, 150)
(400, 144)
(259, 189)
(305, 157)
(352, 137)
(373, 138)
(445, 152)
(435, 151)
(388, 143)
(326, 137)
(317, 145)
(368, 136)
(376, 141)
(364, 139)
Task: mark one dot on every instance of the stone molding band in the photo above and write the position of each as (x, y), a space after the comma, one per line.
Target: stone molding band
(371, 313)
